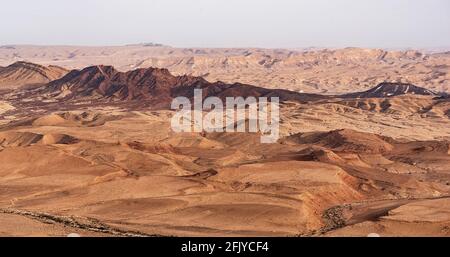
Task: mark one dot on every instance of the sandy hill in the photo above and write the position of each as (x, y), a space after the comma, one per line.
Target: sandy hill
(24, 73)
(345, 140)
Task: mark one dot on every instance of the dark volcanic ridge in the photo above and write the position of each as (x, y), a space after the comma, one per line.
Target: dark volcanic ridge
(157, 86)
(389, 89)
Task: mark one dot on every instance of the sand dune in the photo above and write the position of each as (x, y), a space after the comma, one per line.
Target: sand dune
(70, 119)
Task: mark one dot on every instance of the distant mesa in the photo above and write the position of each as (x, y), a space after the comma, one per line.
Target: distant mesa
(7, 47)
(151, 44)
(22, 73)
(388, 89)
(148, 44)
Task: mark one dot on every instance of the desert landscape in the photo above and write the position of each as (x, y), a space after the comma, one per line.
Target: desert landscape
(309, 70)
(86, 144)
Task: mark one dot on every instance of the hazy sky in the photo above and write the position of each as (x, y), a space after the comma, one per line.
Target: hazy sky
(228, 23)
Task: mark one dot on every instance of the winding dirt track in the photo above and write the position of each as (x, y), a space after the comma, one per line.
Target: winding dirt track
(87, 224)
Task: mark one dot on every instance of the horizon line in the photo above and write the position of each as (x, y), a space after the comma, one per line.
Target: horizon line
(161, 45)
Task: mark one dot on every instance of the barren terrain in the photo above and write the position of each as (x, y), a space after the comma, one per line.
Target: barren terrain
(93, 153)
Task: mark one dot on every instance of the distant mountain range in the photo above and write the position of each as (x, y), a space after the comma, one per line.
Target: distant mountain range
(157, 87)
(312, 70)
